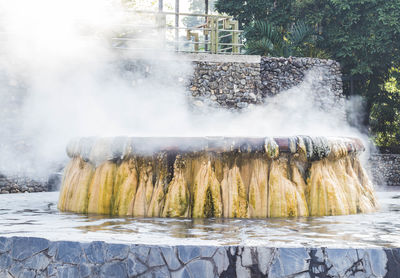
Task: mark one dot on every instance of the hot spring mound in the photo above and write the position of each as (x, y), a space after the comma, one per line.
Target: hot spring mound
(216, 177)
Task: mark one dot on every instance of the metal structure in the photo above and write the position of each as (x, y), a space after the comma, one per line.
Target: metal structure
(218, 34)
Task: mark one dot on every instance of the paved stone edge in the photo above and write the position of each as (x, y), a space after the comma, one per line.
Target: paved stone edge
(38, 257)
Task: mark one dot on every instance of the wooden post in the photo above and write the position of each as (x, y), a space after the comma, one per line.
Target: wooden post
(160, 5)
(176, 25)
(205, 22)
(216, 27)
(235, 36)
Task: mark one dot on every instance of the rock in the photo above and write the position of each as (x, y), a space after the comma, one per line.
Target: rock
(155, 258)
(170, 257)
(242, 104)
(95, 252)
(135, 267)
(117, 252)
(182, 273)
(221, 260)
(113, 269)
(198, 103)
(67, 252)
(37, 262)
(201, 268)
(25, 247)
(187, 253)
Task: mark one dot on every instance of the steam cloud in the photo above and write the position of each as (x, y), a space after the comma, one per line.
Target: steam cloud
(60, 79)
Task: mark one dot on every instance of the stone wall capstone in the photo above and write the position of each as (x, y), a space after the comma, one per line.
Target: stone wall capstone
(39, 257)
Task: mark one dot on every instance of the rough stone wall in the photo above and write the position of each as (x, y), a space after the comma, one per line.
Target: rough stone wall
(234, 82)
(385, 169)
(22, 184)
(279, 74)
(229, 84)
(38, 257)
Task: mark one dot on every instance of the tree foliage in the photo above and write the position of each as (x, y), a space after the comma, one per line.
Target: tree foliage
(364, 36)
(262, 38)
(276, 12)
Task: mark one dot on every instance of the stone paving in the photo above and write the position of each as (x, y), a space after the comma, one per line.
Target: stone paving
(38, 257)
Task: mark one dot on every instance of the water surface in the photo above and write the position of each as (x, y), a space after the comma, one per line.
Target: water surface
(36, 214)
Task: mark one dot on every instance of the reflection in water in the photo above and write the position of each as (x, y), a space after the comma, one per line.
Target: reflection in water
(36, 214)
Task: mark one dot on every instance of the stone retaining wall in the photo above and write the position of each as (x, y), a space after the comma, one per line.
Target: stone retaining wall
(38, 257)
(236, 83)
(385, 169)
(22, 184)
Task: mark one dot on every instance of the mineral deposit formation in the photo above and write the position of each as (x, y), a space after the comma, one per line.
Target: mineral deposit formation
(216, 177)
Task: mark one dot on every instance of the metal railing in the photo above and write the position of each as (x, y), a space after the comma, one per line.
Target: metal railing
(216, 34)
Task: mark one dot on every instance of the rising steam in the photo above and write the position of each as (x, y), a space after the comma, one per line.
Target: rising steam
(59, 79)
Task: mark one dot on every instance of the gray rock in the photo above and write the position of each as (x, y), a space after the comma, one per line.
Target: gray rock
(242, 104)
(25, 247)
(170, 257)
(16, 269)
(246, 257)
(265, 257)
(68, 252)
(135, 267)
(375, 261)
(114, 269)
(84, 271)
(37, 262)
(201, 268)
(4, 273)
(67, 271)
(242, 271)
(221, 260)
(4, 244)
(187, 253)
(182, 273)
(198, 103)
(290, 261)
(140, 251)
(117, 252)
(5, 261)
(95, 252)
(207, 251)
(155, 258)
(27, 274)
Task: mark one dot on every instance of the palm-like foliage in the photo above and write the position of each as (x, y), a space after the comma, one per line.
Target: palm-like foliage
(264, 39)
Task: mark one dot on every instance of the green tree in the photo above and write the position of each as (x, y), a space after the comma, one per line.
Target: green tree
(264, 39)
(364, 36)
(277, 13)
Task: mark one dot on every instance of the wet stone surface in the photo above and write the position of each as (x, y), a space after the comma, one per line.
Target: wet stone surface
(45, 244)
(37, 257)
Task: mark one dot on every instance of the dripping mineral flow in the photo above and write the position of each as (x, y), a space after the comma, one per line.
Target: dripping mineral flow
(216, 177)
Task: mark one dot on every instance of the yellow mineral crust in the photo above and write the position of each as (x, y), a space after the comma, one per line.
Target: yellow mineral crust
(283, 180)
